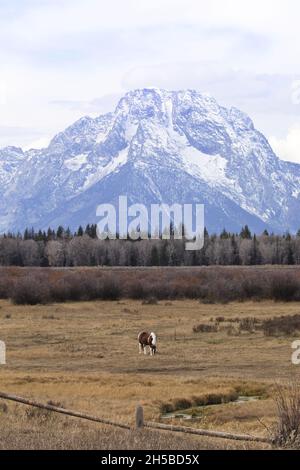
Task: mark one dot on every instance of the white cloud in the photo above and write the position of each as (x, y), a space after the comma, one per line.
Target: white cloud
(288, 148)
(3, 92)
(43, 142)
(79, 55)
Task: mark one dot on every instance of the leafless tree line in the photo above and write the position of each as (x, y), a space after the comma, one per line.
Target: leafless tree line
(63, 249)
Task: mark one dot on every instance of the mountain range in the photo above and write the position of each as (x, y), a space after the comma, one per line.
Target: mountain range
(156, 146)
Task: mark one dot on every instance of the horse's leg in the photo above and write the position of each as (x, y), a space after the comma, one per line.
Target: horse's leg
(140, 348)
(145, 349)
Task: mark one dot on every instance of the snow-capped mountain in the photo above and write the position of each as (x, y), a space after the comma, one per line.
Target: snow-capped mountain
(158, 145)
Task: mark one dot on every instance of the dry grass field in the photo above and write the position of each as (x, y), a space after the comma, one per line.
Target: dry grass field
(84, 356)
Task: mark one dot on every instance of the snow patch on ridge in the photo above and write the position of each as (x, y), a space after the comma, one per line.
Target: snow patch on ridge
(130, 130)
(101, 137)
(75, 163)
(211, 168)
(113, 166)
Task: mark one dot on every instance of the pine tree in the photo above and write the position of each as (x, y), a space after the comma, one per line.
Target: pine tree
(288, 236)
(60, 232)
(245, 233)
(50, 234)
(40, 236)
(93, 231)
(68, 234)
(80, 232)
(224, 235)
(26, 234)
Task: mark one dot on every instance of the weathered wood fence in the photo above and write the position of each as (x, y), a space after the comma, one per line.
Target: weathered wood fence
(64, 411)
(139, 421)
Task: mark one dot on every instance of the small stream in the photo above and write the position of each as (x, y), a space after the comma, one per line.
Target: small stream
(195, 413)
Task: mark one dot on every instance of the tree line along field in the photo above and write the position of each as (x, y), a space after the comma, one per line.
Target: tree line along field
(62, 248)
(82, 352)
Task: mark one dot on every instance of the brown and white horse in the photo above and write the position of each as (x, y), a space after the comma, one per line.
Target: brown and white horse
(147, 339)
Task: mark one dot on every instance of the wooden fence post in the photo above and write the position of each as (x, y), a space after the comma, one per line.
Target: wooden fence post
(139, 417)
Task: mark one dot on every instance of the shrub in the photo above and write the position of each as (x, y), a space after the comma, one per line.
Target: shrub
(204, 328)
(220, 319)
(281, 325)
(5, 288)
(137, 291)
(248, 324)
(210, 286)
(60, 291)
(111, 289)
(30, 291)
(287, 400)
(253, 289)
(284, 288)
(182, 403)
(166, 408)
(232, 331)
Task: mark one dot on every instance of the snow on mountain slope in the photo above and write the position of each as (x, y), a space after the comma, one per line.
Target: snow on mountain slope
(156, 146)
(10, 161)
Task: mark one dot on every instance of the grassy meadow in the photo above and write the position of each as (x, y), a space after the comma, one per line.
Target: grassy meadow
(84, 356)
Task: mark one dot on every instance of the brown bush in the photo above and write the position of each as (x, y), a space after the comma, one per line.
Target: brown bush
(232, 331)
(220, 319)
(209, 285)
(249, 324)
(287, 400)
(254, 288)
(285, 288)
(111, 289)
(286, 325)
(30, 291)
(136, 291)
(5, 287)
(204, 328)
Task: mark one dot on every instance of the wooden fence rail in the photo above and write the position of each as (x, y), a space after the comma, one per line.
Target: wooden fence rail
(139, 421)
(64, 411)
(204, 432)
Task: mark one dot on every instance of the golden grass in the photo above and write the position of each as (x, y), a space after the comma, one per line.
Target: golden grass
(85, 356)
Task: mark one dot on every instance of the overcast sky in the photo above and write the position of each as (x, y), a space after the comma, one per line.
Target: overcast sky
(62, 59)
